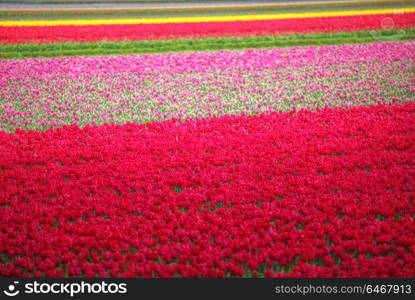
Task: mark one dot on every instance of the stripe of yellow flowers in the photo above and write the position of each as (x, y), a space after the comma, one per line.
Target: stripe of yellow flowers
(205, 18)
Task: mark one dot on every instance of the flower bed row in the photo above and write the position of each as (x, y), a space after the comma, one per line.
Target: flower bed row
(40, 93)
(205, 19)
(19, 51)
(299, 194)
(258, 8)
(93, 33)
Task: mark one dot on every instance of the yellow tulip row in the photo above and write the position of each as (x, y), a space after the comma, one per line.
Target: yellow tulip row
(205, 18)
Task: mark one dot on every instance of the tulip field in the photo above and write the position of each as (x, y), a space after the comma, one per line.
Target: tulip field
(196, 144)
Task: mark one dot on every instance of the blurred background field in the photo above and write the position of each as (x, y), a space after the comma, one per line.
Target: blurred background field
(56, 9)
